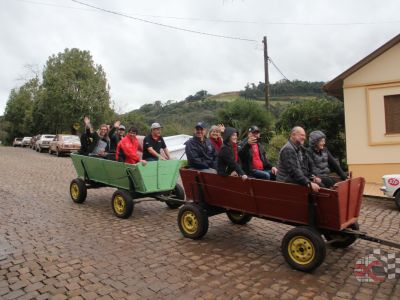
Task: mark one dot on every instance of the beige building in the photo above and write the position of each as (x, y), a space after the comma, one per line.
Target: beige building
(371, 93)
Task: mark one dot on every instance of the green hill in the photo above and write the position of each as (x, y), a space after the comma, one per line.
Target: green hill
(179, 116)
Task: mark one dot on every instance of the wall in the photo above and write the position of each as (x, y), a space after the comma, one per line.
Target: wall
(370, 151)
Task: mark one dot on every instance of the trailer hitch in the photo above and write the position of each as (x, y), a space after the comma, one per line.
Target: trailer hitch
(365, 236)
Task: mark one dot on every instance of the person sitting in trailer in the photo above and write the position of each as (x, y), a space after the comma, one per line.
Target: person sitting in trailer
(116, 134)
(200, 152)
(295, 165)
(127, 148)
(323, 160)
(253, 158)
(153, 143)
(215, 136)
(228, 157)
(96, 143)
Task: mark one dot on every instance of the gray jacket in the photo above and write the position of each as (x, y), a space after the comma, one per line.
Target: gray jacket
(295, 165)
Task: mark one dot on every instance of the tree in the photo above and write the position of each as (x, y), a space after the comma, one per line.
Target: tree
(73, 86)
(19, 109)
(322, 114)
(200, 95)
(241, 114)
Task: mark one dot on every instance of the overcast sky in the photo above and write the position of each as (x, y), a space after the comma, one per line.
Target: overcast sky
(308, 40)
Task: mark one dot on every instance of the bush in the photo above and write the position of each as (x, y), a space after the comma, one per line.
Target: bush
(321, 114)
(241, 114)
(274, 146)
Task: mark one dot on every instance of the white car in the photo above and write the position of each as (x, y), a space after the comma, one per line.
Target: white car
(17, 142)
(44, 142)
(391, 187)
(26, 141)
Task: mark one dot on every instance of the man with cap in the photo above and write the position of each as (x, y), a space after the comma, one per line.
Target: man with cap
(153, 143)
(252, 155)
(200, 152)
(115, 136)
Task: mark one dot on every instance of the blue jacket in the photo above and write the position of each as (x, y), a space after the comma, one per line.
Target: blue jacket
(200, 155)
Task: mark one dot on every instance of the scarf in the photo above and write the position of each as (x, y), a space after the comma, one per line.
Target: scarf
(235, 151)
(216, 143)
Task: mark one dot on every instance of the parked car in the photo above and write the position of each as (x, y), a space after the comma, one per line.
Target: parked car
(26, 141)
(64, 144)
(17, 142)
(391, 187)
(43, 142)
(33, 141)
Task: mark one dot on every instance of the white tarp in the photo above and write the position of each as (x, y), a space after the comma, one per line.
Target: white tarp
(176, 145)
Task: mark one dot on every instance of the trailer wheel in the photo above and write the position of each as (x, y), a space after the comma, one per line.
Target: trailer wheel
(237, 217)
(397, 199)
(343, 239)
(78, 190)
(303, 249)
(122, 204)
(177, 193)
(192, 221)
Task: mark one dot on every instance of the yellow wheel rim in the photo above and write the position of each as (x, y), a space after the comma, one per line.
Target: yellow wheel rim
(301, 250)
(74, 191)
(189, 222)
(236, 216)
(119, 204)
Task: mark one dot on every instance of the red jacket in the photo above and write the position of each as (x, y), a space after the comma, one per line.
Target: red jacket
(129, 146)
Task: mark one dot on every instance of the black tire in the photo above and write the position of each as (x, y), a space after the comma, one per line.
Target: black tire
(343, 239)
(192, 221)
(177, 193)
(303, 249)
(397, 199)
(238, 218)
(78, 190)
(122, 204)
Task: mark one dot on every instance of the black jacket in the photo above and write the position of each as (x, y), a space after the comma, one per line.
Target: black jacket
(200, 155)
(114, 139)
(319, 158)
(226, 156)
(246, 156)
(93, 139)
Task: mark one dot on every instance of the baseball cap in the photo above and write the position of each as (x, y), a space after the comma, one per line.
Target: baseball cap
(200, 125)
(254, 128)
(155, 125)
(121, 127)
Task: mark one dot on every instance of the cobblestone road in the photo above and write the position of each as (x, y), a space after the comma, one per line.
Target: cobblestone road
(52, 248)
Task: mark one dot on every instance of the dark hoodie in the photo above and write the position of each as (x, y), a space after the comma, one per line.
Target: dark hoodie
(323, 160)
(227, 159)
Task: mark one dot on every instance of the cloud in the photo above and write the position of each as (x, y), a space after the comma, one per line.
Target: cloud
(144, 62)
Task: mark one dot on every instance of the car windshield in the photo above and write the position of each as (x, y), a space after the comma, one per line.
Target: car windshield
(18, 139)
(71, 138)
(48, 136)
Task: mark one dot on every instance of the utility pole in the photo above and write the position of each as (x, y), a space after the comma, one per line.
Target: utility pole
(266, 72)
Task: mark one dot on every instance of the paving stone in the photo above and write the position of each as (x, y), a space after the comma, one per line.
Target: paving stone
(60, 250)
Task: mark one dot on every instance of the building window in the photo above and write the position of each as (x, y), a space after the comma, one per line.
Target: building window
(392, 114)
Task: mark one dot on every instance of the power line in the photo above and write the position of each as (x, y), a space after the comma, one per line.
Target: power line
(225, 20)
(55, 5)
(276, 67)
(165, 25)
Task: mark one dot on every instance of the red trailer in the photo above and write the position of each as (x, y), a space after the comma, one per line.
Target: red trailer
(329, 213)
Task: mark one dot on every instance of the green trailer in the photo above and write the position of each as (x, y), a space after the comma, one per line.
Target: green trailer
(157, 180)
